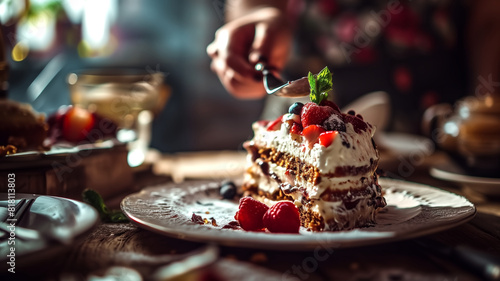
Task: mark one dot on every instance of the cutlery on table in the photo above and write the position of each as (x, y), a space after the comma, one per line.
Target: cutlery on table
(10, 223)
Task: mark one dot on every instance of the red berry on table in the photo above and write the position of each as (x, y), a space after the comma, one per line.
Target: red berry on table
(313, 114)
(282, 217)
(77, 122)
(311, 134)
(326, 138)
(250, 214)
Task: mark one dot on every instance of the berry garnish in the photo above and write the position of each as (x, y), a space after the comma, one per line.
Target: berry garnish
(334, 123)
(275, 125)
(296, 108)
(296, 129)
(250, 214)
(77, 122)
(330, 104)
(311, 134)
(227, 190)
(326, 138)
(282, 217)
(313, 114)
(358, 124)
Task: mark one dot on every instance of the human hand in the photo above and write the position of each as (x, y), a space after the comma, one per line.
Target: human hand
(263, 35)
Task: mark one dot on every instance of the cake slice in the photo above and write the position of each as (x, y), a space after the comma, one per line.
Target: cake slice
(323, 160)
(21, 128)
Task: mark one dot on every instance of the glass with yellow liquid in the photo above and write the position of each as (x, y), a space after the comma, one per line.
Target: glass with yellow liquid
(130, 98)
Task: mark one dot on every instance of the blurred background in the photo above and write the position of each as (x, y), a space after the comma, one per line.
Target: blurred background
(48, 39)
(418, 57)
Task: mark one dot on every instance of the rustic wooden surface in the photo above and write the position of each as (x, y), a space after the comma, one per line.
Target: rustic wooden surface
(110, 245)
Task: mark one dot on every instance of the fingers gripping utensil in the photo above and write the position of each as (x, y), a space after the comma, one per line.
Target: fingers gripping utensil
(274, 85)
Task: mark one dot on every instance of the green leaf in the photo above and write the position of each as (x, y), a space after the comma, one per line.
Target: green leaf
(320, 84)
(95, 200)
(312, 85)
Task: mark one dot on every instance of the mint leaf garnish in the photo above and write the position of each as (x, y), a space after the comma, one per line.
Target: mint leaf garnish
(320, 84)
(95, 200)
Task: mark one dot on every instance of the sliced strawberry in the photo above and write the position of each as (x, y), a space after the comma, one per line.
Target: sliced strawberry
(275, 125)
(311, 133)
(326, 138)
(313, 114)
(282, 217)
(250, 214)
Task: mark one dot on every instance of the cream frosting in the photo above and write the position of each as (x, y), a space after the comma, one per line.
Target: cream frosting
(359, 151)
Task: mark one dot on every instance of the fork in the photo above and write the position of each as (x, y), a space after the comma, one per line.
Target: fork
(20, 210)
(276, 86)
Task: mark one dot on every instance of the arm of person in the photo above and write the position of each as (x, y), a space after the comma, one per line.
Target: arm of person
(256, 31)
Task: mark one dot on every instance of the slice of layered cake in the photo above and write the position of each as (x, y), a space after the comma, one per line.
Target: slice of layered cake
(319, 158)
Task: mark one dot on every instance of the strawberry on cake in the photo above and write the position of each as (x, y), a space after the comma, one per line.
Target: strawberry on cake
(320, 159)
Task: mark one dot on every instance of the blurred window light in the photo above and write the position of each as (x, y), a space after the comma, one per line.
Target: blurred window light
(11, 9)
(37, 31)
(98, 17)
(74, 9)
(20, 51)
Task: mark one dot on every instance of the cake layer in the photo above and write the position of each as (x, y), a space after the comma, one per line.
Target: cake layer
(333, 209)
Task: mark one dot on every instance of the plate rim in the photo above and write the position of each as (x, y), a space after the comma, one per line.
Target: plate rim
(53, 248)
(291, 244)
(461, 178)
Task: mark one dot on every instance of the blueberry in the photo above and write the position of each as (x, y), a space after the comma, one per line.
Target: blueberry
(227, 190)
(334, 123)
(296, 108)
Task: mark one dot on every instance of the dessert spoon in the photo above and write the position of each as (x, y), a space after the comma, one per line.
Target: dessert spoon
(276, 86)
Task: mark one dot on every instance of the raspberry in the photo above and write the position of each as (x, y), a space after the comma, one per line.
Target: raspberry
(313, 114)
(250, 214)
(282, 217)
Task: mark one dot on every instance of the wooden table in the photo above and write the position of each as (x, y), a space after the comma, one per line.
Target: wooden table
(116, 246)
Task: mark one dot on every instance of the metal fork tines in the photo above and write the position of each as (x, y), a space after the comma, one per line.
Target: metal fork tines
(20, 210)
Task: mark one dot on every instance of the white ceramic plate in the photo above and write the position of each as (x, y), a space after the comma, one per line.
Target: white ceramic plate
(413, 210)
(452, 173)
(59, 221)
(404, 144)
